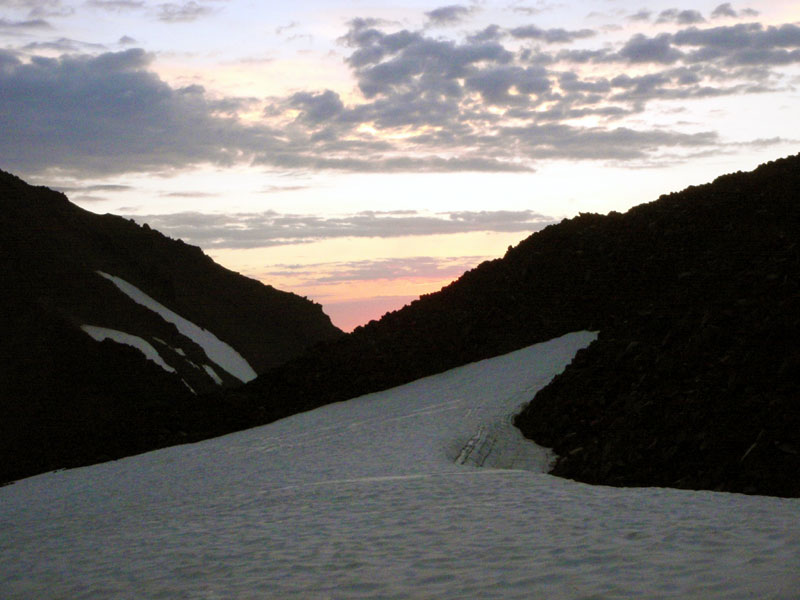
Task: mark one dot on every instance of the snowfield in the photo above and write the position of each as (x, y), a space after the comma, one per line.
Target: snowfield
(422, 491)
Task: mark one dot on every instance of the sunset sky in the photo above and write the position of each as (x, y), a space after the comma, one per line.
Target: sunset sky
(364, 152)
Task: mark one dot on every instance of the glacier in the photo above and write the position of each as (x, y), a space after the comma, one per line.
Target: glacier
(421, 491)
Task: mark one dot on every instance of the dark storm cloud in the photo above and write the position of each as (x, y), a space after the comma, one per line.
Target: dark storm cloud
(254, 230)
(449, 15)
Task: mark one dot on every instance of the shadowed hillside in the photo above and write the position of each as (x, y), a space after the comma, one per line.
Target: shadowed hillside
(66, 399)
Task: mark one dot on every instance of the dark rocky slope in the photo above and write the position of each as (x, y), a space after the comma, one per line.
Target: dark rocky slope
(66, 399)
(696, 383)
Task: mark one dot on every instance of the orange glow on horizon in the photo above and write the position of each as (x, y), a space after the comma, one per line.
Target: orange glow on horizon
(370, 276)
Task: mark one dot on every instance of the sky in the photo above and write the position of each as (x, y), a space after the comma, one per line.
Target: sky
(362, 153)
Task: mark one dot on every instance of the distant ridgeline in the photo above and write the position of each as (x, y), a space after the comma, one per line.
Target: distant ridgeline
(693, 381)
(111, 332)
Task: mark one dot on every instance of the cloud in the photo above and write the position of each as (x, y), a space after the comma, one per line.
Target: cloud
(6, 24)
(642, 49)
(534, 10)
(642, 15)
(724, 10)
(95, 188)
(109, 114)
(190, 194)
(279, 189)
(117, 5)
(681, 17)
(40, 8)
(63, 45)
(493, 100)
(284, 28)
(269, 228)
(318, 107)
(417, 267)
(491, 33)
(448, 15)
(748, 44)
(182, 13)
(551, 36)
(495, 85)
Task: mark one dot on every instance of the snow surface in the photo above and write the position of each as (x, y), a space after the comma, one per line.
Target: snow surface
(366, 499)
(217, 350)
(146, 348)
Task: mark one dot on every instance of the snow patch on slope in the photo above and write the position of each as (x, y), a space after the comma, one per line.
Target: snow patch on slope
(145, 347)
(217, 350)
(213, 374)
